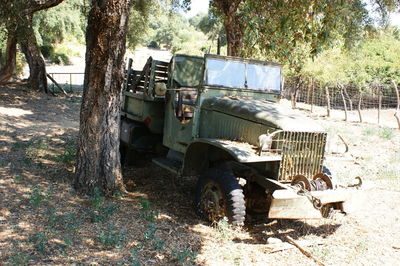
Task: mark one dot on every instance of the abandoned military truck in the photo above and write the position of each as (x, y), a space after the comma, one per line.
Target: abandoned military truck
(218, 118)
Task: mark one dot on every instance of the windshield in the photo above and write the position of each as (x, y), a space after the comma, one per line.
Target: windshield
(243, 75)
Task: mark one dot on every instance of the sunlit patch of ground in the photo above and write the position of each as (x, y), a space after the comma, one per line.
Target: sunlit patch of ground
(43, 221)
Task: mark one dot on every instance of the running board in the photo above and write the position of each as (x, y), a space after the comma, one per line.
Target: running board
(170, 165)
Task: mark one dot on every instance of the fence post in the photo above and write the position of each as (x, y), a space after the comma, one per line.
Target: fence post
(348, 97)
(312, 95)
(379, 103)
(344, 102)
(328, 102)
(359, 106)
(396, 114)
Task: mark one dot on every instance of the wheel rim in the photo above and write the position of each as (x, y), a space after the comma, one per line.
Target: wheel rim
(212, 202)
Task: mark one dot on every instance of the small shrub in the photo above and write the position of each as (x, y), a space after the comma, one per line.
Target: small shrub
(134, 257)
(153, 44)
(18, 178)
(157, 245)
(68, 154)
(47, 50)
(37, 197)
(386, 133)
(370, 131)
(149, 234)
(147, 211)
(101, 210)
(16, 146)
(184, 256)
(112, 237)
(39, 241)
(19, 259)
(224, 229)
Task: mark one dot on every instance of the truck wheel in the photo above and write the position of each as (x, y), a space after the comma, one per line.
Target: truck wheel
(218, 195)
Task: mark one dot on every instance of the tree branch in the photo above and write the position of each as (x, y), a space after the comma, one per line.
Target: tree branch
(37, 6)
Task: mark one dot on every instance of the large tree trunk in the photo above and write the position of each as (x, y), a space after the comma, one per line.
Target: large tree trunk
(232, 24)
(8, 70)
(234, 34)
(37, 69)
(98, 158)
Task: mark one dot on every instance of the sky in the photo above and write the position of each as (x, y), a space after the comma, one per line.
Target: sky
(201, 6)
(197, 6)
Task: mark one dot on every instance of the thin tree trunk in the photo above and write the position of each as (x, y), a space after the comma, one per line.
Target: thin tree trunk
(37, 69)
(397, 113)
(98, 158)
(359, 106)
(9, 68)
(344, 102)
(328, 102)
(379, 104)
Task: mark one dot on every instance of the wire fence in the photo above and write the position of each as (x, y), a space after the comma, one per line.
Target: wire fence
(68, 81)
(382, 98)
(375, 97)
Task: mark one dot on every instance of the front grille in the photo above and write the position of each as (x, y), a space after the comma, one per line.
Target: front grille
(302, 153)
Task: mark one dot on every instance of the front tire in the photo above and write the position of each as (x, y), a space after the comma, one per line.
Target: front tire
(218, 195)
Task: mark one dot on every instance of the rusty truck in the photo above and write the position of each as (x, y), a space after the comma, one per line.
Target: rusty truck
(218, 118)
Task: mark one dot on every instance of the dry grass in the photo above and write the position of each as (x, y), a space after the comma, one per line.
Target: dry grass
(43, 221)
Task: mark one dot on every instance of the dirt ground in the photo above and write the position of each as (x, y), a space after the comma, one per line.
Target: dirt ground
(43, 221)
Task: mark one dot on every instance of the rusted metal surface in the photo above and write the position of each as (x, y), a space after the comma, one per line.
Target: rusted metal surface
(302, 153)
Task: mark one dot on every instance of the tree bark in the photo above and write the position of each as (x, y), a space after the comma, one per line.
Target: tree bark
(37, 69)
(234, 34)
(9, 68)
(98, 158)
(233, 25)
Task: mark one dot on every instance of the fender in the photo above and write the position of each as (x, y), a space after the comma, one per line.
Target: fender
(204, 151)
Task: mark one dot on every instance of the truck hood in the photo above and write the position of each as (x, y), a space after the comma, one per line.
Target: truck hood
(263, 112)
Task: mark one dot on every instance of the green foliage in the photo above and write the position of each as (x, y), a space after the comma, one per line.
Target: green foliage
(39, 241)
(376, 61)
(65, 21)
(19, 259)
(147, 212)
(387, 133)
(68, 154)
(156, 25)
(370, 131)
(112, 237)
(37, 197)
(101, 210)
(184, 256)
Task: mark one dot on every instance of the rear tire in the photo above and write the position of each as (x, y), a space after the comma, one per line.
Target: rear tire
(218, 195)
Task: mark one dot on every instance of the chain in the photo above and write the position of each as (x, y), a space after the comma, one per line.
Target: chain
(316, 202)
